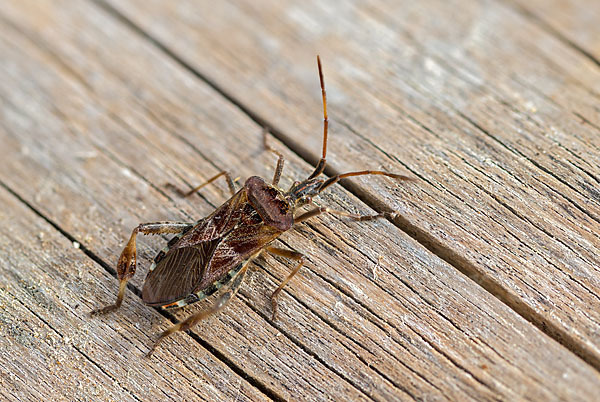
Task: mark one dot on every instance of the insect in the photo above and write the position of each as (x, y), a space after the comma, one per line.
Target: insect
(214, 252)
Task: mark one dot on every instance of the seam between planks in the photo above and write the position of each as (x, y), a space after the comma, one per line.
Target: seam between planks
(495, 96)
(450, 359)
(214, 351)
(380, 319)
(451, 257)
(505, 146)
(218, 355)
(195, 336)
(442, 251)
(205, 344)
(131, 287)
(349, 339)
(92, 256)
(548, 28)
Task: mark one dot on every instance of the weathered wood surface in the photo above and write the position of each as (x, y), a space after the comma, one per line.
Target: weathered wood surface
(493, 106)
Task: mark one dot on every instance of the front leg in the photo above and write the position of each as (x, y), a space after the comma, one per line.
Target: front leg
(127, 261)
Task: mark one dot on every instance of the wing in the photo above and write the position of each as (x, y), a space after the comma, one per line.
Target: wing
(179, 268)
(240, 244)
(207, 252)
(178, 273)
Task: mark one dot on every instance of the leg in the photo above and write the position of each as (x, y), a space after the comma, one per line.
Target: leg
(215, 177)
(280, 159)
(354, 217)
(338, 177)
(127, 261)
(294, 255)
(219, 305)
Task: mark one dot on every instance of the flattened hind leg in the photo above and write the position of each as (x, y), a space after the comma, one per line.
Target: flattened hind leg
(219, 305)
(127, 261)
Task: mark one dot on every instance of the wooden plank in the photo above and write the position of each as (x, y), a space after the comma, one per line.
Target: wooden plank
(51, 349)
(497, 117)
(92, 221)
(573, 25)
(574, 21)
(97, 123)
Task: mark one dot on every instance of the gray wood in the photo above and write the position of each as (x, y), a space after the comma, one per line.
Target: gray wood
(51, 350)
(96, 119)
(575, 22)
(497, 115)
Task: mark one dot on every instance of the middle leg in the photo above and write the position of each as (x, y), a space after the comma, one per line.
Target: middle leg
(230, 183)
(293, 255)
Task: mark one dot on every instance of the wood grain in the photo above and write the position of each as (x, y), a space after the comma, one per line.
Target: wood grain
(497, 117)
(574, 22)
(52, 350)
(99, 113)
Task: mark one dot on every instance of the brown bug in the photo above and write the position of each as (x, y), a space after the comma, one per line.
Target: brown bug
(215, 251)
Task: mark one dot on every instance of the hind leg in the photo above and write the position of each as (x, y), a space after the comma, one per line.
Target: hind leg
(219, 305)
(127, 261)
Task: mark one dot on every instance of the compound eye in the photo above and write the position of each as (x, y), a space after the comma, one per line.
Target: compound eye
(308, 199)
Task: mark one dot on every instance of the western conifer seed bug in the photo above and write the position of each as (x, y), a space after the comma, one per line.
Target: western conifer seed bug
(215, 252)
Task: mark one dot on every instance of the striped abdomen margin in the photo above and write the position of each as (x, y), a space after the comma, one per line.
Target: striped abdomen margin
(202, 294)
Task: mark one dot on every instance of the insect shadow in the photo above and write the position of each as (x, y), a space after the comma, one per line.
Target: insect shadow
(215, 252)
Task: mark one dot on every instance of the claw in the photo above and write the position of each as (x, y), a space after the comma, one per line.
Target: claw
(151, 351)
(112, 307)
(104, 310)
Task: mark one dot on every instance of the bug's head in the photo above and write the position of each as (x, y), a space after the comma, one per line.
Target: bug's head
(302, 192)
